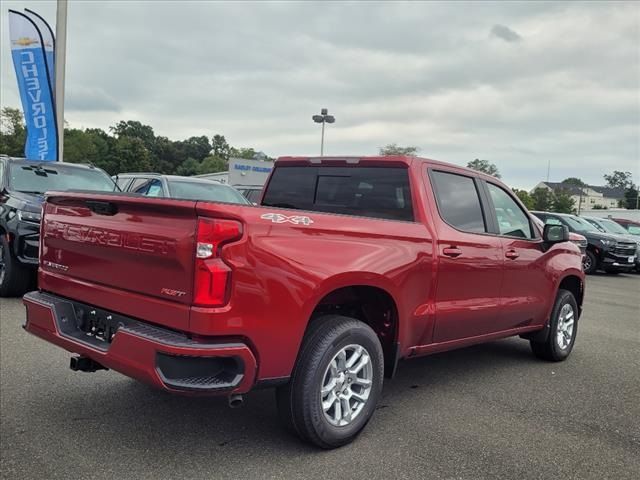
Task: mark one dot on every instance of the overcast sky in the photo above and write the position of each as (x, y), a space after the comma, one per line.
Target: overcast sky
(518, 84)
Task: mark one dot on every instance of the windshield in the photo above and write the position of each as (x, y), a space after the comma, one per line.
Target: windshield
(31, 178)
(579, 224)
(612, 227)
(214, 192)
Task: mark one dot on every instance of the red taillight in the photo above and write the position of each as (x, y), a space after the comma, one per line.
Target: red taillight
(212, 275)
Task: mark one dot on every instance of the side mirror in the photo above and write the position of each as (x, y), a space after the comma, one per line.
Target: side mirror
(555, 233)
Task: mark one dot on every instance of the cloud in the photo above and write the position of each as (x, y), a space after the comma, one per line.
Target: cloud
(411, 73)
(86, 99)
(505, 33)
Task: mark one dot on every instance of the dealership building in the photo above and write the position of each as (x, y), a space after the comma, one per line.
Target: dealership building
(243, 172)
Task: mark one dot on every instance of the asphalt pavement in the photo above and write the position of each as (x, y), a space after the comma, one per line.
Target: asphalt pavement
(489, 411)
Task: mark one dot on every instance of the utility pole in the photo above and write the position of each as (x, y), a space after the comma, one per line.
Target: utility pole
(61, 58)
(548, 168)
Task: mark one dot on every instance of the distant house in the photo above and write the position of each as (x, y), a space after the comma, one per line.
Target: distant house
(592, 196)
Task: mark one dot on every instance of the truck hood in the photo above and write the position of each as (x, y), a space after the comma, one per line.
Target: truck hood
(29, 202)
(604, 236)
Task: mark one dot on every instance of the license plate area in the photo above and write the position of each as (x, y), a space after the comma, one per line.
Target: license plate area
(90, 325)
(98, 324)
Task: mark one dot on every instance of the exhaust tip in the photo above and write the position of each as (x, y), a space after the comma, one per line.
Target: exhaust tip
(235, 401)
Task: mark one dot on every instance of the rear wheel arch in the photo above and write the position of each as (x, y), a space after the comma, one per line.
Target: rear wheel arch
(373, 305)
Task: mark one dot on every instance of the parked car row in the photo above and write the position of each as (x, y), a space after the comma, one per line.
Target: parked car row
(610, 247)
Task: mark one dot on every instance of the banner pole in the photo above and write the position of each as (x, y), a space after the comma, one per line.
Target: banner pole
(61, 58)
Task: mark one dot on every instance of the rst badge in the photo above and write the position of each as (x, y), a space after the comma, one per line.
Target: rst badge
(280, 218)
(172, 293)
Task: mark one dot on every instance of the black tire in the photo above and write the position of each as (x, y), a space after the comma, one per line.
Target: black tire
(299, 402)
(15, 279)
(590, 262)
(550, 349)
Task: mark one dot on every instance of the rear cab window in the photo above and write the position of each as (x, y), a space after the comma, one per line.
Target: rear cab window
(376, 192)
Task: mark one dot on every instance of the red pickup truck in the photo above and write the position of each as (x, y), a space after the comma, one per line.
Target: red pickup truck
(347, 266)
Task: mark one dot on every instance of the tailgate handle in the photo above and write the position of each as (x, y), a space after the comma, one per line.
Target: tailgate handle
(102, 208)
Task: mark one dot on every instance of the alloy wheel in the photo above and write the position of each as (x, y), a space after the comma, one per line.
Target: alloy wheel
(346, 385)
(564, 332)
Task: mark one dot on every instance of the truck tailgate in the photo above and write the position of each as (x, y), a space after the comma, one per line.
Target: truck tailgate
(122, 246)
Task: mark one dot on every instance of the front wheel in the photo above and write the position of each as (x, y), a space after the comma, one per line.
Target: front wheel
(14, 278)
(589, 262)
(336, 382)
(563, 328)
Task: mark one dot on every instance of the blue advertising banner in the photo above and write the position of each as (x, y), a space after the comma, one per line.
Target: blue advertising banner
(28, 50)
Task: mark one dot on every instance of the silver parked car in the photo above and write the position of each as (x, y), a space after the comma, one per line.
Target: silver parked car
(174, 186)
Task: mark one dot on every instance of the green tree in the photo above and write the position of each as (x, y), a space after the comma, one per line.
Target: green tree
(78, 146)
(196, 147)
(12, 132)
(104, 144)
(248, 153)
(562, 202)
(395, 149)
(134, 129)
(525, 198)
(166, 157)
(484, 166)
(220, 148)
(574, 181)
(542, 199)
(619, 179)
(132, 155)
(631, 198)
(212, 164)
(189, 167)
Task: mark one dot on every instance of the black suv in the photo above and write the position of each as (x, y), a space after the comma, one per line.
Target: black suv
(22, 187)
(611, 253)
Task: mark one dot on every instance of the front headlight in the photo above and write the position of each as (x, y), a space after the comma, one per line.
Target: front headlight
(33, 217)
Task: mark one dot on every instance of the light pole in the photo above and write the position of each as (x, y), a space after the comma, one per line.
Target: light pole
(61, 58)
(323, 118)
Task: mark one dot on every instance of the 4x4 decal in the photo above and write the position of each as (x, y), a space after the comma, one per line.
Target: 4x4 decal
(280, 218)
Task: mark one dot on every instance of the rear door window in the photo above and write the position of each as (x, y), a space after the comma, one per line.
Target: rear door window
(458, 201)
(138, 185)
(154, 189)
(378, 192)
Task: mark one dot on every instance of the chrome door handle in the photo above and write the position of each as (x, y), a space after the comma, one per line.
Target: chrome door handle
(452, 252)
